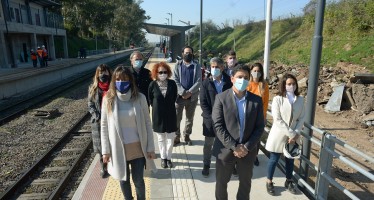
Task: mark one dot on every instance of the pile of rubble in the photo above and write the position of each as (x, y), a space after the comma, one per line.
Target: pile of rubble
(340, 88)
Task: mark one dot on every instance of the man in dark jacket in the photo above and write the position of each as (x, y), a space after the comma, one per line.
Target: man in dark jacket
(218, 82)
(187, 76)
(238, 121)
(141, 74)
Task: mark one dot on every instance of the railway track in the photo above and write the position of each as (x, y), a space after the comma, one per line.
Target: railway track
(17, 105)
(50, 175)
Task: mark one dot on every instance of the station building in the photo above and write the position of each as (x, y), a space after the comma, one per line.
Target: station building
(28, 24)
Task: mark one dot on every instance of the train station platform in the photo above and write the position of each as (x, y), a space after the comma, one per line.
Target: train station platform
(61, 62)
(26, 78)
(184, 180)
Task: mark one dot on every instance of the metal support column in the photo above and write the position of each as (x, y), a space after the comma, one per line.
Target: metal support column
(65, 43)
(267, 39)
(201, 34)
(325, 163)
(313, 83)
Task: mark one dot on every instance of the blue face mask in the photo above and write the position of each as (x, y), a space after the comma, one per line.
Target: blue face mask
(123, 86)
(241, 84)
(215, 72)
(138, 64)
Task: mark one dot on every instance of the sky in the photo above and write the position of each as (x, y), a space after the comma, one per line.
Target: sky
(219, 11)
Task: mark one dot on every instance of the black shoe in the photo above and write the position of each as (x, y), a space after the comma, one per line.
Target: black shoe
(163, 163)
(177, 140)
(270, 188)
(104, 173)
(257, 163)
(169, 163)
(290, 186)
(187, 140)
(234, 172)
(205, 171)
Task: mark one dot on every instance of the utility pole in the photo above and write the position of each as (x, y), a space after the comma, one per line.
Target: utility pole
(267, 39)
(171, 18)
(188, 33)
(314, 67)
(201, 32)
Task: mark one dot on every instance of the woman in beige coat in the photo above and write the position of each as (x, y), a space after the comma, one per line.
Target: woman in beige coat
(126, 133)
(288, 119)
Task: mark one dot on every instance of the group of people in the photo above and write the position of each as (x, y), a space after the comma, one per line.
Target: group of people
(233, 99)
(41, 55)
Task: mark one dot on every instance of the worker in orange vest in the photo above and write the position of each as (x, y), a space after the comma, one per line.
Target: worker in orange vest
(39, 51)
(45, 56)
(34, 58)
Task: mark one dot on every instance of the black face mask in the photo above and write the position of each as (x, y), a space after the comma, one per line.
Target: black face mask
(104, 78)
(187, 57)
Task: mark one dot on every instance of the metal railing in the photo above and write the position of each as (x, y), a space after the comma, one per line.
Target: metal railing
(94, 52)
(323, 168)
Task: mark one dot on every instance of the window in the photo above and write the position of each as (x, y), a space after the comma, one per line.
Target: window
(18, 19)
(37, 19)
(11, 13)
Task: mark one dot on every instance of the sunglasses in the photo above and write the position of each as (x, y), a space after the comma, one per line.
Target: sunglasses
(162, 72)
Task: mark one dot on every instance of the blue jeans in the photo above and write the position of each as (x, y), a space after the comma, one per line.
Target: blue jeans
(273, 160)
(137, 173)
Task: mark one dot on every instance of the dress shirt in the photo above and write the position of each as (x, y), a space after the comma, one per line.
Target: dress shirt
(241, 105)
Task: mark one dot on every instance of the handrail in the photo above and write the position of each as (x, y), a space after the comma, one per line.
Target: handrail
(343, 144)
(327, 145)
(350, 163)
(337, 185)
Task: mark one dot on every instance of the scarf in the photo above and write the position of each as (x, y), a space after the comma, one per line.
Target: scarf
(104, 87)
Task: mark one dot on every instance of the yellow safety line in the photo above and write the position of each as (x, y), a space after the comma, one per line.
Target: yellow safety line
(113, 190)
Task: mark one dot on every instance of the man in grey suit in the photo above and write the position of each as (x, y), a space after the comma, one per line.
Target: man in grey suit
(239, 123)
(187, 76)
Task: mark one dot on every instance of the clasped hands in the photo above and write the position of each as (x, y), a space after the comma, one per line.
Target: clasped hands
(187, 95)
(240, 151)
(293, 140)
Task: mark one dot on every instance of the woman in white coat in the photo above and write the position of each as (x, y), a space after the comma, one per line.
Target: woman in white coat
(126, 133)
(288, 119)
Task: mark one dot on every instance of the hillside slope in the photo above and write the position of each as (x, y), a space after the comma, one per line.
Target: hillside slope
(348, 36)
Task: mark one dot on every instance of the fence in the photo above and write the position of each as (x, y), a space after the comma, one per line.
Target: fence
(92, 52)
(323, 168)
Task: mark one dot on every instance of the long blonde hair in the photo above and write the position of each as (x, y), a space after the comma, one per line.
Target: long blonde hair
(95, 81)
(120, 73)
(261, 81)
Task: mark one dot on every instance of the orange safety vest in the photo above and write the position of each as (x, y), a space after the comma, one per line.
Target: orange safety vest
(33, 56)
(40, 52)
(45, 54)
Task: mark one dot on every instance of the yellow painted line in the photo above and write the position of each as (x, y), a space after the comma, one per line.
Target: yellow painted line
(113, 190)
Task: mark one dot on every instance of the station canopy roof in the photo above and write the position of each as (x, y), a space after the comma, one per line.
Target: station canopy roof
(165, 30)
(47, 3)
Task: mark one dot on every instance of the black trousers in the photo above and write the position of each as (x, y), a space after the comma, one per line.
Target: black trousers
(224, 169)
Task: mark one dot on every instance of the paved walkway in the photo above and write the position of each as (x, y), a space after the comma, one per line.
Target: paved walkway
(184, 180)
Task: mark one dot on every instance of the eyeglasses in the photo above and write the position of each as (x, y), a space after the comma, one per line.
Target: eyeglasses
(162, 72)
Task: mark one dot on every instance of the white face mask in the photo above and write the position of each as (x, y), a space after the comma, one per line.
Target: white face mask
(256, 74)
(162, 77)
(290, 88)
(216, 72)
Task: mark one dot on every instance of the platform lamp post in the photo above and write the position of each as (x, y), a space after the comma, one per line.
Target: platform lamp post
(188, 33)
(201, 32)
(171, 18)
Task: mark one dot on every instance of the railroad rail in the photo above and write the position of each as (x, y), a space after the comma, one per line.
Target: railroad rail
(18, 105)
(49, 176)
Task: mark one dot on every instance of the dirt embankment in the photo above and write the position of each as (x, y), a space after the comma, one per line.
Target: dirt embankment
(352, 123)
